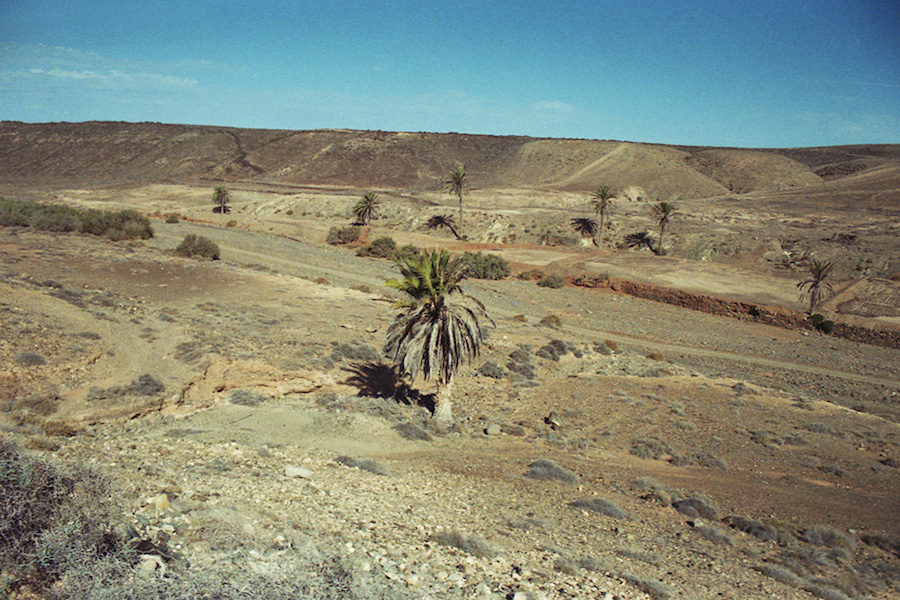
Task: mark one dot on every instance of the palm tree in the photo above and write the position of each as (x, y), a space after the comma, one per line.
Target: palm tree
(601, 202)
(587, 227)
(663, 211)
(221, 198)
(816, 288)
(456, 183)
(366, 208)
(434, 334)
(438, 221)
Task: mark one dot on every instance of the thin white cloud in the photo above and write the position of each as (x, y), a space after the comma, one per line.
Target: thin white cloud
(554, 106)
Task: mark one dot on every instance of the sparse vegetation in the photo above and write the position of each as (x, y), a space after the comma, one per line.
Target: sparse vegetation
(485, 266)
(343, 235)
(473, 544)
(118, 225)
(196, 245)
(549, 470)
(383, 247)
(553, 281)
(600, 505)
(552, 321)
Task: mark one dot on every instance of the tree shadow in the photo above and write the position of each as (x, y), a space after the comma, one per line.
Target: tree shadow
(380, 380)
(221, 209)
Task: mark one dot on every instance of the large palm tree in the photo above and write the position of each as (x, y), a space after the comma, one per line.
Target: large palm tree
(440, 326)
(366, 208)
(601, 202)
(816, 288)
(438, 221)
(663, 210)
(587, 227)
(456, 183)
(221, 198)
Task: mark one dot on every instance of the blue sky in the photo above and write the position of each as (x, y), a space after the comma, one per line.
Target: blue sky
(725, 73)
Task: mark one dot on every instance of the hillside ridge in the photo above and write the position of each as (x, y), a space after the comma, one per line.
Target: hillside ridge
(102, 154)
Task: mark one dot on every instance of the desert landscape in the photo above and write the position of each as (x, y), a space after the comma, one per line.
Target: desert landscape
(644, 420)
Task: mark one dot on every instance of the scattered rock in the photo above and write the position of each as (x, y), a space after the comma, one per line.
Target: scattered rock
(299, 472)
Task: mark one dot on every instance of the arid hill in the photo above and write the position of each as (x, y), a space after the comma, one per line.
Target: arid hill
(114, 154)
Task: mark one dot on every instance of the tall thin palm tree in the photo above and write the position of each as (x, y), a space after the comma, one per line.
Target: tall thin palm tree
(438, 221)
(587, 227)
(456, 183)
(440, 326)
(601, 202)
(817, 287)
(366, 208)
(663, 210)
(221, 198)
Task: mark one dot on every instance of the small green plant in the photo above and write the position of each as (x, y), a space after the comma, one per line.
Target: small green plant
(231, 223)
(196, 245)
(343, 235)
(552, 281)
(485, 266)
(172, 218)
(657, 356)
(611, 345)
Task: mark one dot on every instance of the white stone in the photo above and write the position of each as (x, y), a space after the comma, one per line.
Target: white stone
(294, 471)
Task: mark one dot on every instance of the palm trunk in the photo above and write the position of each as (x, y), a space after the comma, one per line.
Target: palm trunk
(662, 230)
(460, 211)
(443, 413)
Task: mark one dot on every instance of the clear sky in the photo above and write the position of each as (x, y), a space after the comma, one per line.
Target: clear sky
(763, 73)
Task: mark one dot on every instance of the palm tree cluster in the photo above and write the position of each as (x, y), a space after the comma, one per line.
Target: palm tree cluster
(439, 326)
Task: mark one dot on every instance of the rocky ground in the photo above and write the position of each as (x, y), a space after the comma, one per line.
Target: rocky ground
(629, 449)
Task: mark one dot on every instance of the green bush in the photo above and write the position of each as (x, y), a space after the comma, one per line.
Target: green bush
(553, 281)
(172, 218)
(383, 247)
(119, 225)
(197, 245)
(343, 235)
(485, 266)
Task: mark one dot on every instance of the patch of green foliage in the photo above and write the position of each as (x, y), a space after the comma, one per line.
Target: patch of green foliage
(197, 245)
(485, 266)
(119, 225)
(343, 235)
(553, 281)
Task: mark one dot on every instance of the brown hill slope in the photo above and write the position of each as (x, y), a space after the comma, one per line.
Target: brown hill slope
(104, 154)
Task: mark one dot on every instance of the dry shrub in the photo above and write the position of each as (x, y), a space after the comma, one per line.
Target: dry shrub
(197, 245)
(473, 544)
(547, 470)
